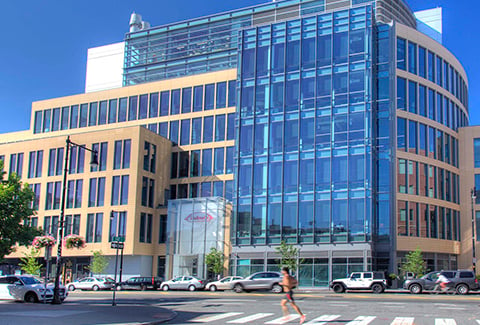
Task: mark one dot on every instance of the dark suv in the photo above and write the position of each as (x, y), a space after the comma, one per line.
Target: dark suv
(140, 283)
(462, 280)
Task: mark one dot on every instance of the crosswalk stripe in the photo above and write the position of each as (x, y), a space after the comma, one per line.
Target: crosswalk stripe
(283, 320)
(251, 318)
(323, 319)
(362, 320)
(445, 321)
(403, 321)
(212, 318)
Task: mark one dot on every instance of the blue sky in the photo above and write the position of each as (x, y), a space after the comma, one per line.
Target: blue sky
(44, 43)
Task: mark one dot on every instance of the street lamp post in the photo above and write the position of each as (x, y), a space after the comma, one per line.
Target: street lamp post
(474, 258)
(94, 162)
(117, 243)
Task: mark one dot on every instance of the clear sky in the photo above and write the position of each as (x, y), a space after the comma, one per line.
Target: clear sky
(44, 43)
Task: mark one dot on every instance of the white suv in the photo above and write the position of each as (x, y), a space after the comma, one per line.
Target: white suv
(372, 281)
(27, 288)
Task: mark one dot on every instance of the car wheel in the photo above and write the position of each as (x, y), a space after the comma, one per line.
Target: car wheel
(276, 288)
(165, 288)
(338, 288)
(238, 288)
(95, 288)
(143, 287)
(377, 288)
(118, 288)
(213, 288)
(71, 287)
(462, 289)
(31, 297)
(191, 288)
(415, 289)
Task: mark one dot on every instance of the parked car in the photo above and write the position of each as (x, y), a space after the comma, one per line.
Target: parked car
(259, 281)
(91, 283)
(222, 284)
(189, 283)
(372, 281)
(462, 280)
(140, 283)
(27, 288)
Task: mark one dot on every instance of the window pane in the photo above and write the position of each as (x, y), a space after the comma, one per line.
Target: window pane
(412, 97)
(74, 117)
(231, 126)
(401, 93)
(232, 93)
(132, 108)
(196, 130)
(401, 50)
(186, 100)
(102, 114)
(207, 162)
(56, 119)
(112, 111)
(92, 117)
(175, 109)
(412, 57)
(198, 98)
(219, 161)
(174, 132)
(208, 129)
(185, 133)
(122, 109)
(221, 94)
(219, 127)
(143, 107)
(209, 96)
(164, 103)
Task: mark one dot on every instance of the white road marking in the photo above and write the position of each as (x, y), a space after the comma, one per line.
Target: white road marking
(362, 320)
(283, 320)
(452, 308)
(445, 321)
(215, 317)
(403, 321)
(249, 319)
(323, 319)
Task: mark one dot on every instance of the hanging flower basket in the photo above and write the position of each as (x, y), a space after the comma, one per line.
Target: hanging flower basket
(74, 241)
(43, 241)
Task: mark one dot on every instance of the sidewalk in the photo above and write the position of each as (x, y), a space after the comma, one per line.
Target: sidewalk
(82, 314)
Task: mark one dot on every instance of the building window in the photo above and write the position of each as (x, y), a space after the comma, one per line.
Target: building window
(150, 157)
(183, 164)
(401, 54)
(206, 189)
(74, 194)
(122, 109)
(208, 129)
(96, 192)
(412, 57)
(92, 116)
(36, 199)
(120, 190)
(35, 164)
(221, 98)
(219, 161)
(229, 160)
(55, 162)
(77, 160)
(148, 192)
(37, 128)
(232, 93)
(186, 100)
(47, 120)
(143, 107)
(117, 229)
(196, 130)
(50, 226)
(207, 162)
(164, 103)
(174, 132)
(112, 111)
(162, 229)
(175, 102)
(16, 164)
(102, 150)
(195, 163)
(94, 228)
(185, 133)
(72, 224)
(209, 99)
(146, 228)
(52, 200)
(220, 128)
(132, 108)
(56, 119)
(476, 152)
(477, 188)
(231, 126)
(121, 156)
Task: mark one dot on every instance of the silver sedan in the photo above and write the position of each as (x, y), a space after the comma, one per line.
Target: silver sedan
(222, 284)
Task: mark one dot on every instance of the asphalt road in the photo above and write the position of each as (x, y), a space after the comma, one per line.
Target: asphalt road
(320, 308)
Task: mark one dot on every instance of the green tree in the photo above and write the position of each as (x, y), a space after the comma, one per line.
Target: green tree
(414, 263)
(288, 256)
(29, 263)
(215, 261)
(99, 263)
(15, 209)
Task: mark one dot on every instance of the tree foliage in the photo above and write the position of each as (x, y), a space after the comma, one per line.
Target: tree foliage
(414, 263)
(215, 261)
(99, 263)
(288, 256)
(15, 209)
(29, 263)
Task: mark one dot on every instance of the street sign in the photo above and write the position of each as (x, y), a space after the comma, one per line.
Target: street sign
(117, 245)
(119, 239)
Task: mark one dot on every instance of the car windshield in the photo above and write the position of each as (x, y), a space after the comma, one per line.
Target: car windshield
(29, 280)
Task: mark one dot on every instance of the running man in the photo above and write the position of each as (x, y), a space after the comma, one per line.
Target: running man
(288, 283)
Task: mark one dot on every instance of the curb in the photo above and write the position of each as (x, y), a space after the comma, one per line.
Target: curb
(172, 316)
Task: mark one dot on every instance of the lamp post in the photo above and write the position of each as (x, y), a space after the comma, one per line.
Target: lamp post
(94, 162)
(117, 243)
(474, 258)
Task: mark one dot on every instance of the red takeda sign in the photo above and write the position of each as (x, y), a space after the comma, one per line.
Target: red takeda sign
(199, 217)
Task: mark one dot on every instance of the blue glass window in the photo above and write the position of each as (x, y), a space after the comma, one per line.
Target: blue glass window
(308, 89)
(218, 189)
(340, 47)
(198, 98)
(207, 129)
(153, 109)
(221, 97)
(401, 133)
(186, 100)
(276, 101)
(74, 117)
(357, 81)
(56, 119)
(174, 132)
(357, 41)
(423, 139)
(292, 95)
(439, 115)
(220, 128)
(324, 50)
(83, 117)
(207, 162)
(412, 57)
(248, 63)
(163, 129)
(293, 55)
(422, 62)
(231, 126)
(65, 118)
(307, 169)
(412, 136)
(431, 104)
(122, 109)
(229, 160)
(209, 96)
(246, 140)
(324, 85)
(340, 83)
(422, 100)
(92, 117)
(412, 97)
(476, 150)
(164, 103)
(262, 61)
(308, 53)
(196, 130)
(261, 138)
(431, 66)
(132, 108)
(432, 152)
(278, 58)
(401, 54)
(102, 113)
(143, 107)
(175, 102)
(307, 133)
(219, 161)
(401, 93)
(232, 93)
(38, 122)
(185, 133)
(276, 137)
(290, 176)
(291, 135)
